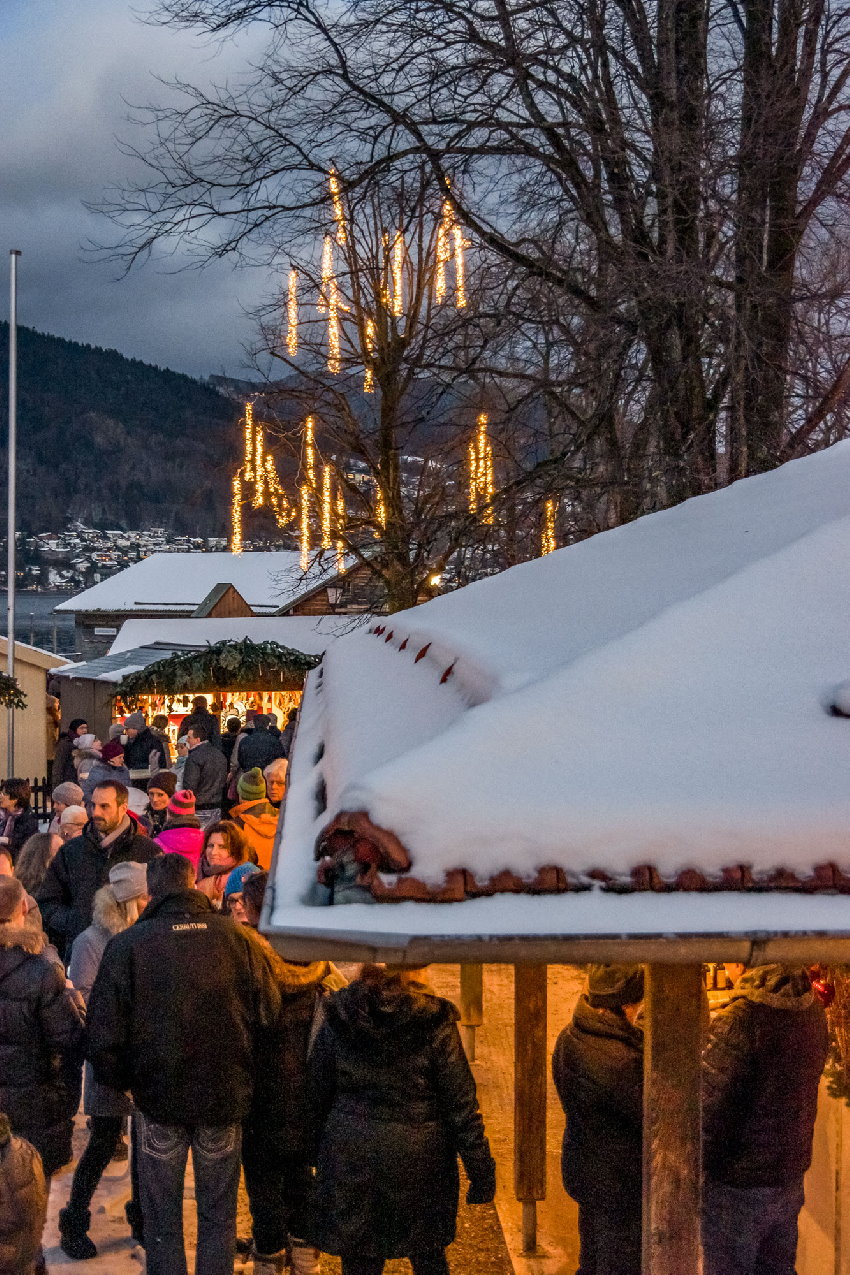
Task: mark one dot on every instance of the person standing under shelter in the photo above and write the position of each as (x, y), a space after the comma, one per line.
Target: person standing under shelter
(64, 771)
(181, 1002)
(257, 748)
(761, 1071)
(597, 1067)
(201, 716)
(205, 774)
(144, 752)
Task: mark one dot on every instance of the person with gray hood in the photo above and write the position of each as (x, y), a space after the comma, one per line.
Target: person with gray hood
(761, 1071)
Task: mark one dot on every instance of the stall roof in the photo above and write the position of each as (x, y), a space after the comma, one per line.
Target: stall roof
(641, 713)
(180, 582)
(308, 633)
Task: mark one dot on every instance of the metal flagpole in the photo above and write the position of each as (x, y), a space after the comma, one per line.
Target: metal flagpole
(10, 527)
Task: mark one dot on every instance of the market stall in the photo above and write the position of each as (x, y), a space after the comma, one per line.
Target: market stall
(621, 752)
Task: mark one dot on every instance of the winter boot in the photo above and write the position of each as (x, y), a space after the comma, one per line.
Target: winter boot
(270, 1263)
(73, 1237)
(133, 1214)
(305, 1260)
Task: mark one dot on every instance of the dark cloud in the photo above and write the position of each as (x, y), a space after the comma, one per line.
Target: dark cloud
(67, 71)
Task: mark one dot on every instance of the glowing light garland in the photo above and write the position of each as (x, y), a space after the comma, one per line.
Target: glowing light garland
(369, 334)
(548, 543)
(257, 467)
(236, 516)
(481, 484)
(444, 250)
(310, 450)
(397, 274)
(460, 244)
(305, 527)
(340, 527)
(327, 507)
(338, 210)
(329, 303)
(380, 509)
(292, 315)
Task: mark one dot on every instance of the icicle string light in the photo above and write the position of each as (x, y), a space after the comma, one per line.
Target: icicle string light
(292, 315)
(380, 510)
(481, 482)
(548, 542)
(444, 251)
(340, 527)
(258, 468)
(460, 245)
(329, 303)
(248, 465)
(305, 527)
(236, 516)
(327, 507)
(338, 210)
(310, 450)
(369, 370)
(397, 274)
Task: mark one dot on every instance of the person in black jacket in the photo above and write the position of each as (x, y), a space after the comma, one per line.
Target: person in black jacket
(179, 1004)
(81, 866)
(40, 1022)
(205, 774)
(144, 752)
(64, 771)
(201, 716)
(761, 1070)
(394, 1103)
(18, 821)
(257, 748)
(598, 1071)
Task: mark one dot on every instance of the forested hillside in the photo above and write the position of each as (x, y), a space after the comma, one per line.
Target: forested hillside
(115, 442)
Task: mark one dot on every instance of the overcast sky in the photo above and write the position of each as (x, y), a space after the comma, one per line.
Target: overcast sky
(65, 66)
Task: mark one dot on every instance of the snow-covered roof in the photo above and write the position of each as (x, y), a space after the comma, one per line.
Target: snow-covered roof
(179, 582)
(643, 711)
(308, 633)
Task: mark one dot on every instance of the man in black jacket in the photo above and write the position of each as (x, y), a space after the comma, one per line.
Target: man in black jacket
(81, 866)
(598, 1070)
(259, 747)
(144, 752)
(179, 1005)
(761, 1070)
(205, 774)
(201, 716)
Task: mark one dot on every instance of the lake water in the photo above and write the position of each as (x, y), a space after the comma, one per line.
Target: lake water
(34, 620)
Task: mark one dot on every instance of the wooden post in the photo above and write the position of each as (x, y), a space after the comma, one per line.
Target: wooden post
(530, 1072)
(674, 1022)
(471, 1005)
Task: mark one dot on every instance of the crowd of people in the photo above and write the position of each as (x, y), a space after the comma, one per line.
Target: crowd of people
(133, 975)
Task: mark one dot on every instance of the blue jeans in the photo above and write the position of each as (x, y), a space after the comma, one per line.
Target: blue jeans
(163, 1152)
(750, 1231)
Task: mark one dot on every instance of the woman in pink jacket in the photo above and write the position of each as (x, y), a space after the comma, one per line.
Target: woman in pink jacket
(182, 833)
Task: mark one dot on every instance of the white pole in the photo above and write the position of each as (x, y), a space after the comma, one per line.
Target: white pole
(10, 527)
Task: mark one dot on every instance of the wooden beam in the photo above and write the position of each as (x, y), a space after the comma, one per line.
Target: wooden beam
(531, 1061)
(471, 1005)
(674, 1024)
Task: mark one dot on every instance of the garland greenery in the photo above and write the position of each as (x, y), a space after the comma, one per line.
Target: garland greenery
(11, 695)
(222, 666)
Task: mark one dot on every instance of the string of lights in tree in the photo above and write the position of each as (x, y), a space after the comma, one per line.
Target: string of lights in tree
(548, 542)
(258, 470)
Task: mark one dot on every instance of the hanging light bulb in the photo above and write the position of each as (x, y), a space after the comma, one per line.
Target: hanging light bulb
(444, 251)
(327, 506)
(548, 542)
(338, 210)
(292, 315)
(369, 371)
(305, 527)
(236, 516)
(397, 272)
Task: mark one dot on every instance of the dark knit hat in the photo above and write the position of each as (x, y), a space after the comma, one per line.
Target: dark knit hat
(165, 781)
(251, 786)
(112, 750)
(182, 803)
(613, 986)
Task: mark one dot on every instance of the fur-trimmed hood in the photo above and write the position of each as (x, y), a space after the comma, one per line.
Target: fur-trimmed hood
(28, 939)
(106, 914)
(292, 977)
(778, 986)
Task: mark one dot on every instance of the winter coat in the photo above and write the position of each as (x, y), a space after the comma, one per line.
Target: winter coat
(154, 820)
(86, 955)
(23, 826)
(137, 754)
(202, 717)
(205, 774)
(40, 1020)
(226, 743)
(103, 772)
(761, 1070)
(257, 749)
(177, 1008)
(23, 1206)
(166, 744)
(185, 839)
(278, 1124)
(598, 1071)
(76, 873)
(64, 771)
(395, 1105)
(286, 737)
(258, 821)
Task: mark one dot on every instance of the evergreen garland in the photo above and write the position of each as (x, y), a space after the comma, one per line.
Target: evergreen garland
(222, 666)
(11, 695)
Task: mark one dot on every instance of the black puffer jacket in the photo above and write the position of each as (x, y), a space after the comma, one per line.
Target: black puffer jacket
(178, 1006)
(396, 1105)
(258, 748)
(761, 1069)
(40, 1021)
(137, 751)
(598, 1071)
(76, 873)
